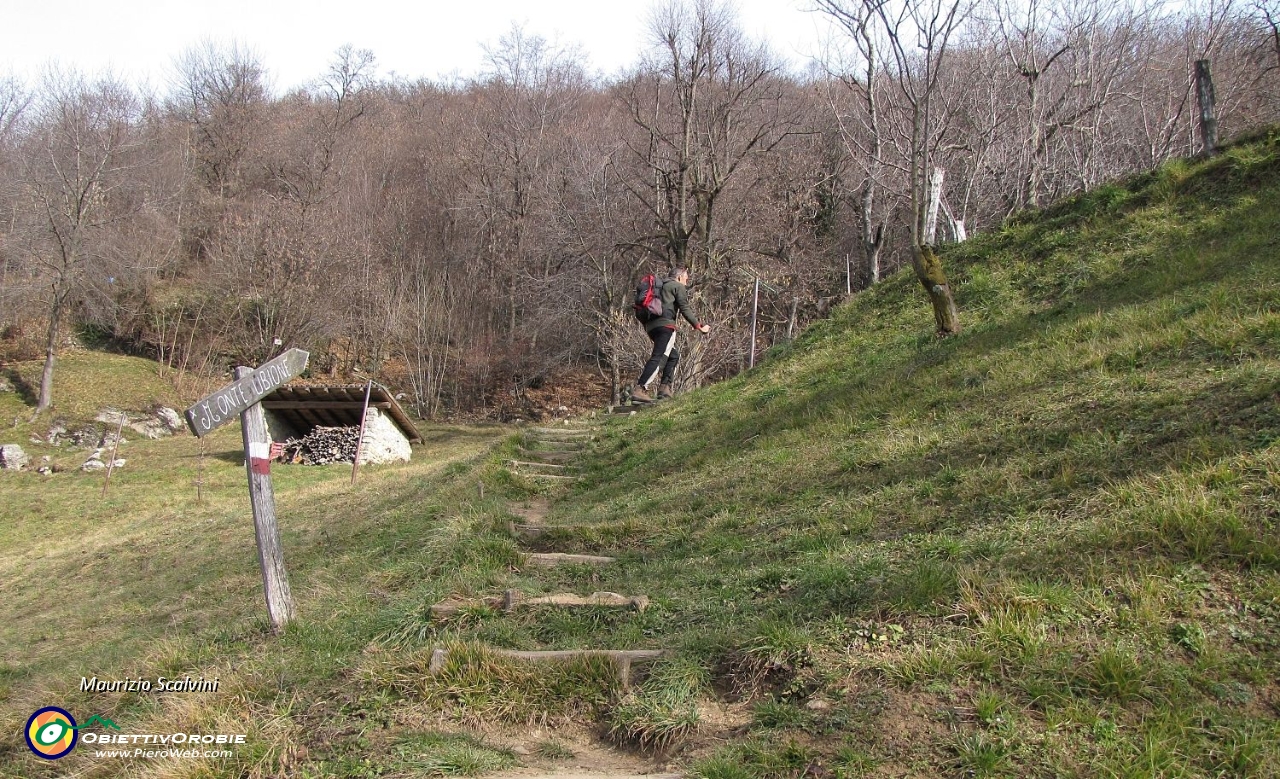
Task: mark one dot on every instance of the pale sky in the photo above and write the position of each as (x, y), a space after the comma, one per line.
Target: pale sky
(295, 39)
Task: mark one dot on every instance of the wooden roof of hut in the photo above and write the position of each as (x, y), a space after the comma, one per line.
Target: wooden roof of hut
(304, 406)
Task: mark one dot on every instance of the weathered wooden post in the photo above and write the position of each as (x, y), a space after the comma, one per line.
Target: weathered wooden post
(1208, 115)
(115, 452)
(364, 418)
(755, 310)
(935, 201)
(241, 397)
(257, 448)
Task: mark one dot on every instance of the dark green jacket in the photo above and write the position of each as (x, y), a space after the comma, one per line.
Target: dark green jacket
(675, 302)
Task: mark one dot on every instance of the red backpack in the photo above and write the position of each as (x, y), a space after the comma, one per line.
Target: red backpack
(648, 302)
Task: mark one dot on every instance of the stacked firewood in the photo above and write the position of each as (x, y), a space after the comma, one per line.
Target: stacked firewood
(323, 445)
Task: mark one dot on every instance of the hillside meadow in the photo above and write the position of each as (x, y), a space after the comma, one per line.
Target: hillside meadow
(1045, 547)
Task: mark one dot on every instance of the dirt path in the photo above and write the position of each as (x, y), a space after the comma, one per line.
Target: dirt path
(534, 511)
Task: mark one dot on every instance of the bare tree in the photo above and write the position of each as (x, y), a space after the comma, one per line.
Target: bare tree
(75, 176)
(706, 102)
(862, 130)
(528, 91)
(1269, 13)
(220, 92)
(14, 101)
(917, 35)
(1052, 48)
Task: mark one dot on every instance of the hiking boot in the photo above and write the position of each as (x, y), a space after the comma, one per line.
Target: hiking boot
(665, 391)
(638, 395)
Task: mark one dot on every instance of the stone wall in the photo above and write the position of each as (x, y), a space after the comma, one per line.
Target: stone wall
(383, 441)
(277, 429)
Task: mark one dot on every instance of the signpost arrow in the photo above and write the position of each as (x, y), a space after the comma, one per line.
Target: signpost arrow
(224, 405)
(241, 397)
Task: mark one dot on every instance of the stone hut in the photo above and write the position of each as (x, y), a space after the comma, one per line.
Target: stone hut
(295, 410)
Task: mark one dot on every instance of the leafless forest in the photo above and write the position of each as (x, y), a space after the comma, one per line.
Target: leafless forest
(470, 239)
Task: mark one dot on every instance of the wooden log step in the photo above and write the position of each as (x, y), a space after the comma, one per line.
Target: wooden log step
(561, 558)
(526, 531)
(630, 409)
(513, 599)
(534, 530)
(622, 657)
(538, 465)
(589, 775)
(565, 433)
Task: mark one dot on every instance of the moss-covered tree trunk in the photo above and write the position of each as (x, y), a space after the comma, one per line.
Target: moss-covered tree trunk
(928, 268)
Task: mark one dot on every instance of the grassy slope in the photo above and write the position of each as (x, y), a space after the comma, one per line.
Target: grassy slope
(1045, 547)
(149, 581)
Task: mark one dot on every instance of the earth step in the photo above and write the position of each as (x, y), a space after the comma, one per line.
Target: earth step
(623, 658)
(538, 464)
(535, 512)
(561, 558)
(513, 599)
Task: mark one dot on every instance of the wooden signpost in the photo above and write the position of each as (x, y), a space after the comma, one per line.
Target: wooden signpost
(229, 402)
(241, 398)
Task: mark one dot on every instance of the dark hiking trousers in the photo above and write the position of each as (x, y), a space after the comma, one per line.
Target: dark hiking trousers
(664, 356)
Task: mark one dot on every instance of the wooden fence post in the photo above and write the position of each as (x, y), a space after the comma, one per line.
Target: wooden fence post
(115, 451)
(755, 311)
(1208, 116)
(364, 418)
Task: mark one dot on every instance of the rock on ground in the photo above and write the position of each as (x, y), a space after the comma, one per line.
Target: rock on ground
(12, 458)
(154, 424)
(171, 419)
